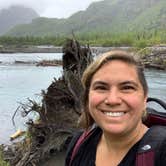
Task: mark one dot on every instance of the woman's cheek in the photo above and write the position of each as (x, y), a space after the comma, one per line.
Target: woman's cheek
(95, 99)
(136, 102)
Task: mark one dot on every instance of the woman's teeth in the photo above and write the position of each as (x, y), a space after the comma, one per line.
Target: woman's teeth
(114, 114)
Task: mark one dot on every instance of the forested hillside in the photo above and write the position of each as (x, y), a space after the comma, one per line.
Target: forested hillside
(111, 16)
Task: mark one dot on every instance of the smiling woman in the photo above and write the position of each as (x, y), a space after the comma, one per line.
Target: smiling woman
(114, 105)
(117, 100)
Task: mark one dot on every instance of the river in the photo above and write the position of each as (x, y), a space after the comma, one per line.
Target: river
(22, 81)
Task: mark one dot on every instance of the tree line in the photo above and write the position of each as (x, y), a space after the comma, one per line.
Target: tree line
(136, 39)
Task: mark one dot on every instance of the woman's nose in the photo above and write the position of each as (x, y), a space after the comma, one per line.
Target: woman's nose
(113, 97)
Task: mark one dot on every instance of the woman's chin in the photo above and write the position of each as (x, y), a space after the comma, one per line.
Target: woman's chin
(115, 129)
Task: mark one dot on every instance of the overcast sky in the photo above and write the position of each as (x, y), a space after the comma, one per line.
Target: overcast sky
(51, 8)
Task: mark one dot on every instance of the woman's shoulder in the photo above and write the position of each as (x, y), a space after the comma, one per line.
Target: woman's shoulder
(152, 147)
(153, 139)
(155, 133)
(161, 150)
(71, 145)
(79, 139)
(154, 136)
(74, 139)
(82, 134)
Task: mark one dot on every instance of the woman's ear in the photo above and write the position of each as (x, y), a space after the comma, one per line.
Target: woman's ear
(145, 102)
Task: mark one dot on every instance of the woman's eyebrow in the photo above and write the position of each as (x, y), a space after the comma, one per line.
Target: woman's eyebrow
(99, 83)
(129, 83)
(123, 83)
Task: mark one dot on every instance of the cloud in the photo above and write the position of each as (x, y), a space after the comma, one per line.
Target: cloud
(50, 8)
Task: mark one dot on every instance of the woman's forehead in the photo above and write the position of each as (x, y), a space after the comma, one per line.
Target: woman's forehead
(117, 66)
(116, 70)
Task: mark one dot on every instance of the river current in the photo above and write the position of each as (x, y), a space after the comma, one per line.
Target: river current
(22, 81)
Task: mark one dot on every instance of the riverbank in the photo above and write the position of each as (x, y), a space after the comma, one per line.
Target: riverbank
(30, 49)
(58, 49)
(151, 57)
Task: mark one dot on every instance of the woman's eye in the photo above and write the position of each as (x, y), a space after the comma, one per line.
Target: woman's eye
(128, 88)
(100, 88)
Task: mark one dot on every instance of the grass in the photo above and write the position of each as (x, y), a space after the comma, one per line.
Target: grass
(2, 162)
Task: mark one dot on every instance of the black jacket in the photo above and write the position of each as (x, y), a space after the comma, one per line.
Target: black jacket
(87, 152)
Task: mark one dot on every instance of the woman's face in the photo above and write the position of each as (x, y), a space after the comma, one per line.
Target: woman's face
(116, 98)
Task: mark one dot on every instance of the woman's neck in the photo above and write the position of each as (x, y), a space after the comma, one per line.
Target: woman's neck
(124, 141)
(112, 149)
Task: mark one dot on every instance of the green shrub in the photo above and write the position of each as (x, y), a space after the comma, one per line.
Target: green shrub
(140, 44)
(2, 162)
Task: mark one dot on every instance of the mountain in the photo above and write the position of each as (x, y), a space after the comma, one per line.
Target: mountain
(102, 16)
(15, 15)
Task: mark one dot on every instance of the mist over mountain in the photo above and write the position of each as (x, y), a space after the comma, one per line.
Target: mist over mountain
(15, 15)
(103, 16)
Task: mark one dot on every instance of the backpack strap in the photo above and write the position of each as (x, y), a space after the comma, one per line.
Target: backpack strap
(149, 145)
(81, 139)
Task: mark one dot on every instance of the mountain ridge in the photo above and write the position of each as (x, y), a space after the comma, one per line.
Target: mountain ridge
(102, 16)
(14, 15)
